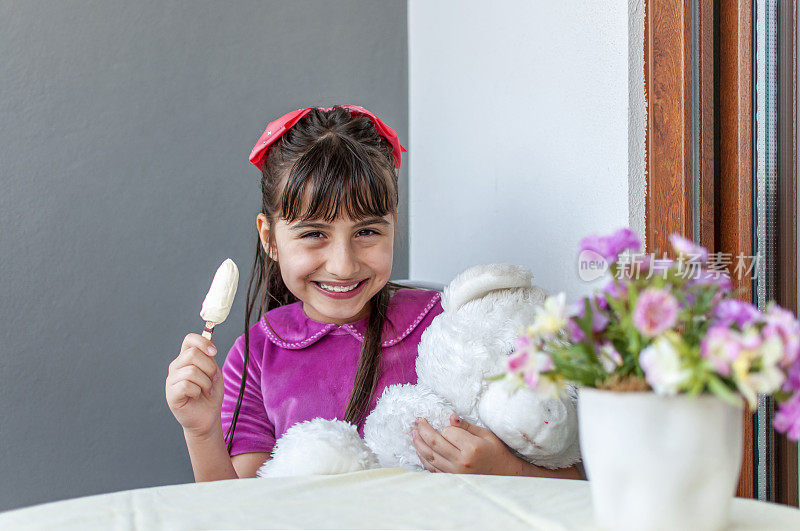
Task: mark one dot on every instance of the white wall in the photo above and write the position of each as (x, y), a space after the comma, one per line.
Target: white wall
(518, 123)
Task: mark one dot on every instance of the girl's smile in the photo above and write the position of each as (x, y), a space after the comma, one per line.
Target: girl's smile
(334, 268)
(340, 290)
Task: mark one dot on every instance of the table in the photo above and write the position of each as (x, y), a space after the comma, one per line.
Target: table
(387, 498)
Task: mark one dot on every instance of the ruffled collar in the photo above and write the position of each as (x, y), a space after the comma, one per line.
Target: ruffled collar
(296, 330)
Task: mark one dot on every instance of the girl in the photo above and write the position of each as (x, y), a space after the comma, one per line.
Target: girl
(334, 332)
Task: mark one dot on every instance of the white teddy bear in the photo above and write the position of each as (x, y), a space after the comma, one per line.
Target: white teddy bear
(485, 309)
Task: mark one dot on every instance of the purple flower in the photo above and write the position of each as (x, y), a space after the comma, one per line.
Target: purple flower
(787, 419)
(578, 310)
(599, 319)
(736, 311)
(616, 289)
(750, 339)
(656, 311)
(575, 309)
(690, 298)
(707, 277)
(610, 247)
(576, 335)
(720, 347)
(659, 266)
(792, 382)
(688, 249)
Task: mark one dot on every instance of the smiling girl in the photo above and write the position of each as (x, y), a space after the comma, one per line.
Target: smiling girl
(333, 331)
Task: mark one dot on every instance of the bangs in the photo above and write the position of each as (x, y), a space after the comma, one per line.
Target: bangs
(337, 177)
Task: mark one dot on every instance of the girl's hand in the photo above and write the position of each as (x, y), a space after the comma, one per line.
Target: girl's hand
(194, 386)
(463, 448)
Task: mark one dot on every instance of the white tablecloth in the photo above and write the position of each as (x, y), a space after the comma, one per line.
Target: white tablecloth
(388, 498)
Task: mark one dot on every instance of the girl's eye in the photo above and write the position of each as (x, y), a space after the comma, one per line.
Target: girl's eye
(314, 235)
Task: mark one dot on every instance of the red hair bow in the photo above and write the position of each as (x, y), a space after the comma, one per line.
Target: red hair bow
(277, 127)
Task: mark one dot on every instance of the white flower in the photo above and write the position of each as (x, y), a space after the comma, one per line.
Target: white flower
(661, 363)
(547, 387)
(769, 378)
(609, 357)
(771, 350)
(550, 318)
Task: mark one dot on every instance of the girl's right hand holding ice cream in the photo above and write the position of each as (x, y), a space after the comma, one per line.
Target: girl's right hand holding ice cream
(194, 386)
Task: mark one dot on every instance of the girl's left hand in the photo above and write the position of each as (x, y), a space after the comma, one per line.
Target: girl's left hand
(463, 448)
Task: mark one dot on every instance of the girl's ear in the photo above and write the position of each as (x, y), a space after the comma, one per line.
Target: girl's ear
(263, 232)
(272, 253)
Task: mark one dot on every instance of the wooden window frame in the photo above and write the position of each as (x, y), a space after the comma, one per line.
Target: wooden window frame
(716, 185)
(785, 458)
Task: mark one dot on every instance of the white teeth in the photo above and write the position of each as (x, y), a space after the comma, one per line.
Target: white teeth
(338, 289)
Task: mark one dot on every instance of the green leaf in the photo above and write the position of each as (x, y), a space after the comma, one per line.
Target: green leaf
(716, 386)
(781, 396)
(585, 322)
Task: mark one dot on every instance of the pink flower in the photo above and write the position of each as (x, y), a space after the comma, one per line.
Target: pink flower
(688, 249)
(523, 343)
(656, 311)
(787, 419)
(524, 347)
(531, 378)
(720, 347)
(516, 361)
(610, 247)
(538, 363)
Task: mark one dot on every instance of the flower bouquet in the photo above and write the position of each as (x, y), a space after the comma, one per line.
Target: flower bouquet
(664, 358)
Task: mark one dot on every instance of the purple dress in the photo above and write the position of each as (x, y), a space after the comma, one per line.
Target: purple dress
(307, 369)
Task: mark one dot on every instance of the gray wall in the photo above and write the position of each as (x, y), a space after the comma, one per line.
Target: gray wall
(125, 182)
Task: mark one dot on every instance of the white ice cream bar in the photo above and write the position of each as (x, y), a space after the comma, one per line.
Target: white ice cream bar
(219, 298)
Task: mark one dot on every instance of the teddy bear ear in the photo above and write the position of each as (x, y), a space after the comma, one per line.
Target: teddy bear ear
(477, 281)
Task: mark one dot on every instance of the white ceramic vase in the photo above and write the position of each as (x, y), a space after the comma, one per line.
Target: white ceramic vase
(660, 462)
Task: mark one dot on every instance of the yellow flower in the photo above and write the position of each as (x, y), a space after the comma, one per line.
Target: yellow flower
(551, 318)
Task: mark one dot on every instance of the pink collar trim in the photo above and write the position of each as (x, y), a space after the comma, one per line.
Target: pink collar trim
(407, 308)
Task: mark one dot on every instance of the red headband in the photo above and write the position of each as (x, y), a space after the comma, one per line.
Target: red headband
(277, 127)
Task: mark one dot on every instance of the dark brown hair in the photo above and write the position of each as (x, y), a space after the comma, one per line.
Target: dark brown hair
(345, 167)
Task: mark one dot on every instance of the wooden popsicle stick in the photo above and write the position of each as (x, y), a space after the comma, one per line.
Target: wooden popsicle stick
(208, 330)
